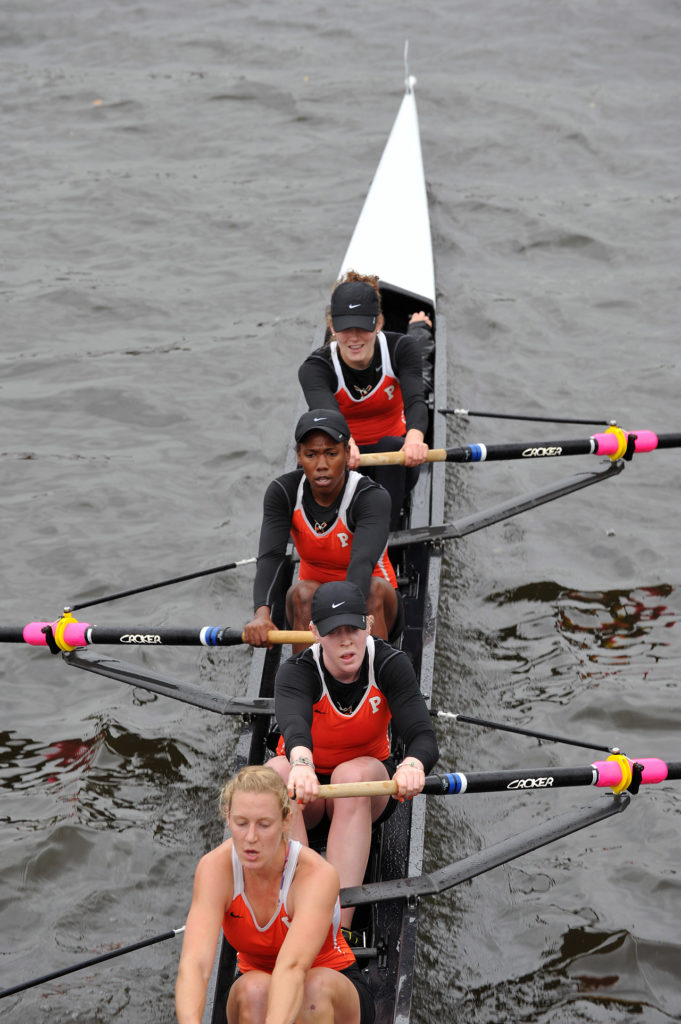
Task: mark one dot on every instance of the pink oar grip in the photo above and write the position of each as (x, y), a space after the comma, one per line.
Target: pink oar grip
(610, 772)
(646, 441)
(654, 769)
(74, 633)
(33, 634)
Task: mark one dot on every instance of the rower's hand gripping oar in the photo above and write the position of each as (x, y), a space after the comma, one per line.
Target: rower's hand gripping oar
(615, 443)
(617, 773)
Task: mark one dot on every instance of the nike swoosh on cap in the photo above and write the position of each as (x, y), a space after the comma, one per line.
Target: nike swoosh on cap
(356, 305)
(319, 419)
(337, 605)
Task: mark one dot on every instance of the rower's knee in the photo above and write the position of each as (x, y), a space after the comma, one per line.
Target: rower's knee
(298, 603)
(382, 601)
(318, 996)
(248, 997)
(280, 765)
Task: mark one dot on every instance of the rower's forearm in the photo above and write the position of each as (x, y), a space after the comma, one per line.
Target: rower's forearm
(285, 996)
(190, 995)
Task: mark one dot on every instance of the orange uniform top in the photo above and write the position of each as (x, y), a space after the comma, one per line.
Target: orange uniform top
(325, 551)
(258, 946)
(338, 737)
(380, 413)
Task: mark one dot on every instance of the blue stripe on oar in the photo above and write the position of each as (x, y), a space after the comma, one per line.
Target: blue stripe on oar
(478, 452)
(456, 782)
(209, 636)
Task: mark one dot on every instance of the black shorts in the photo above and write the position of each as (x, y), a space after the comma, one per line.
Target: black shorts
(367, 1010)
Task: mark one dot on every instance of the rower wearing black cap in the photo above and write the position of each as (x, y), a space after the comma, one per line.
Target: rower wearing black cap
(338, 520)
(375, 379)
(335, 704)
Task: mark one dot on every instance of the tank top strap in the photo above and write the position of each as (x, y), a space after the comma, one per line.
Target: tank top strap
(294, 848)
(299, 493)
(350, 487)
(371, 650)
(385, 355)
(238, 873)
(317, 656)
(340, 381)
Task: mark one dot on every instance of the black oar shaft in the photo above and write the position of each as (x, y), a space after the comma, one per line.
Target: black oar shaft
(669, 440)
(161, 583)
(505, 727)
(89, 963)
(522, 450)
(532, 419)
(456, 783)
(600, 773)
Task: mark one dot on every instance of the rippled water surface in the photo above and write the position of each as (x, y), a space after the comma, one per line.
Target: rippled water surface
(180, 183)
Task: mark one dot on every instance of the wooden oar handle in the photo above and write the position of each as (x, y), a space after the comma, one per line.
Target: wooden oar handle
(397, 458)
(338, 789)
(290, 636)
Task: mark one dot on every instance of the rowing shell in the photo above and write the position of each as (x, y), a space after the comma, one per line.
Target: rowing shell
(392, 240)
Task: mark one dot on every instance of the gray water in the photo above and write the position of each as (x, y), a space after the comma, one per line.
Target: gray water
(179, 185)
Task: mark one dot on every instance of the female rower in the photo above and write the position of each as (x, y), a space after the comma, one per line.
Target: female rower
(339, 523)
(375, 378)
(335, 704)
(277, 903)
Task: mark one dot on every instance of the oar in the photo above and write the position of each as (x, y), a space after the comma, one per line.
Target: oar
(504, 727)
(67, 633)
(91, 962)
(617, 773)
(155, 682)
(163, 583)
(485, 860)
(521, 416)
(616, 445)
(513, 507)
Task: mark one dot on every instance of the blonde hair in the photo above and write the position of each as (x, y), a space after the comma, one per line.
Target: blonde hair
(255, 778)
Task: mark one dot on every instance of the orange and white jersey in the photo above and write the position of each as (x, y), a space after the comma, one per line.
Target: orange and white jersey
(380, 413)
(325, 548)
(258, 945)
(339, 737)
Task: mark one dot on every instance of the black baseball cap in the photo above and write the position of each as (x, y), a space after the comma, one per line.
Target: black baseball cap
(354, 304)
(329, 421)
(338, 604)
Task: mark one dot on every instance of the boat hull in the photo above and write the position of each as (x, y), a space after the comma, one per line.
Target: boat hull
(407, 286)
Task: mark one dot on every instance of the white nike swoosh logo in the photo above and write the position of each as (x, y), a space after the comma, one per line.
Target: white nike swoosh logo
(338, 605)
(319, 419)
(356, 305)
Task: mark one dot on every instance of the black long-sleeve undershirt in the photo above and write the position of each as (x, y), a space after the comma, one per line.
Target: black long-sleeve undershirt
(298, 687)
